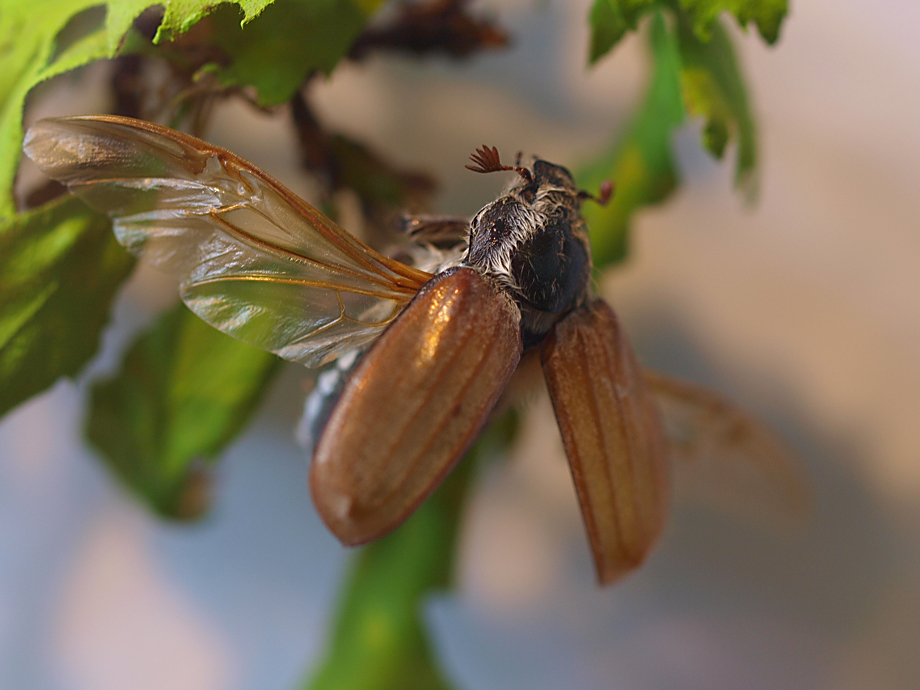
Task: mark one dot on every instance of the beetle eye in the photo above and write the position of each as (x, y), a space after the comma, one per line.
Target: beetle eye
(528, 195)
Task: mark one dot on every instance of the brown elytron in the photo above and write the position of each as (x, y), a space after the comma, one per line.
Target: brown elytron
(612, 435)
(446, 360)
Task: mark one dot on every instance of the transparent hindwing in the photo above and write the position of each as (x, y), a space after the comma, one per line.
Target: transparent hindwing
(254, 260)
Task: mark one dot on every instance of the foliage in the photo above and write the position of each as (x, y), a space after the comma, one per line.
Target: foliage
(612, 19)
(690, 75)
(714, 89)
(276, 59)
(59, 268)
(641, 161)
(184, 391)
(768, 15)
(379, 641)
(36, 45)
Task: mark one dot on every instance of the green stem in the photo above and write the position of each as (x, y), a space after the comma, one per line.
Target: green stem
(379, 640)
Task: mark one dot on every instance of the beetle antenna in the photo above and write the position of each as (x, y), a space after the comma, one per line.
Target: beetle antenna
(487, 160)
(606, 192)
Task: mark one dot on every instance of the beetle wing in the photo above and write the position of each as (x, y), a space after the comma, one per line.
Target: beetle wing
(612, 435)
(415, 403)
(727, 456)
(444, 232)
(254, 260)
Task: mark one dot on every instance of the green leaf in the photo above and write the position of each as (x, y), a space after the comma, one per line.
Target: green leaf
(44, 38)
(611, 19)
(178, 16)
(184, 392)
(768, 15)
(379, 640)
(641, 163)
(714, 88)
(60, 268)
(289, 40)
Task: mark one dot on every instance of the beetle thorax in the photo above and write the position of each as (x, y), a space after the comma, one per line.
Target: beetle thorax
(532, 241)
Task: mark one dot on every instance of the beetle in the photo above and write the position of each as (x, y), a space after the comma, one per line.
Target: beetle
(429, 347)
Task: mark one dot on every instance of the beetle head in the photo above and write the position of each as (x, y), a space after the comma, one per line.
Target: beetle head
(532, 240)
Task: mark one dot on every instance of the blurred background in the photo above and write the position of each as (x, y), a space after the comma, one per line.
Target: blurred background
(804, 307)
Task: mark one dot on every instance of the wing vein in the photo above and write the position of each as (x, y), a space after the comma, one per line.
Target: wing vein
(289, 255)
(253, 259)
(302, 282)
